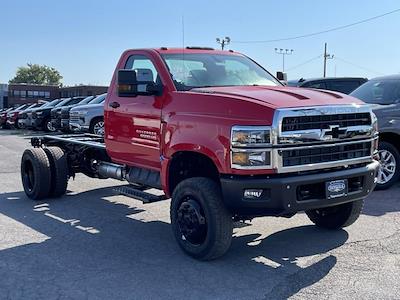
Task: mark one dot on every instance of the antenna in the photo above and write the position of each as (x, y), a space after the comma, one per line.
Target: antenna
(183, 47)
(183, 32)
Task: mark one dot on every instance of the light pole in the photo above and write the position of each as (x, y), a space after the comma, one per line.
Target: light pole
(283, 52)
(326, 56)
(223, 41)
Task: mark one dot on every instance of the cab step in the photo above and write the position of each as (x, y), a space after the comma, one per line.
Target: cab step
(138, 193)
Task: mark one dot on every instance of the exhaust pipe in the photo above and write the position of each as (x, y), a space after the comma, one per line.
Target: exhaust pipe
(110, 170)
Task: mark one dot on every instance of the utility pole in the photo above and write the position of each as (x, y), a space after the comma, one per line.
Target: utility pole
(283, 52)
(326, 56)
(223, 41)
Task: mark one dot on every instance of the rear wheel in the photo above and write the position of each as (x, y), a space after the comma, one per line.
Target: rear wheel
(59, 171)
(338, 216)
(388, 172)
(35, 173)
(97, 126)
(201, 224)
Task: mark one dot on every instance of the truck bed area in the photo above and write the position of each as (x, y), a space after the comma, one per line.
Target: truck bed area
(84, 139)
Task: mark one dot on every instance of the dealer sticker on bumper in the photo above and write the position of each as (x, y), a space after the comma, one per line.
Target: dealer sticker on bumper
(336, 188)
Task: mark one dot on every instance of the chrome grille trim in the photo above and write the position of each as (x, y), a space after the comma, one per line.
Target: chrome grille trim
(322, 137)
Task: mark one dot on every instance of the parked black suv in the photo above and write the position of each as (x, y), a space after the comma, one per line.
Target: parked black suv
(339, 84)
(383, 93)
(55, 113)
(64, 127)
(40, 118)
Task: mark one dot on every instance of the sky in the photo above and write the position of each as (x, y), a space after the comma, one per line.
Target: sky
(84, 39)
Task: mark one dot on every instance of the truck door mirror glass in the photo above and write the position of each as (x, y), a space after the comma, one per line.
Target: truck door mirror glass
(132, 83)
(281, 76)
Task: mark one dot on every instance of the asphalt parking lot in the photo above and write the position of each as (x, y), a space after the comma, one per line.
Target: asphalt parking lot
(95, 244)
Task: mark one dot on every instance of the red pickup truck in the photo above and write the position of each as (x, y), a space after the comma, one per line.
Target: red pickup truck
(224, 139)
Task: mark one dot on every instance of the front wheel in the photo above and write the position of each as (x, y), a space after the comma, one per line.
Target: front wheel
(200, 222)
(97, 126)
(337, 216)
(388, 172)
(48, 126)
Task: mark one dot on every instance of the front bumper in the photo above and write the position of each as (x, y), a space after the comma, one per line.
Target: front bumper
(284, 195)
(74, 126)
(23, 123)
(10, 122)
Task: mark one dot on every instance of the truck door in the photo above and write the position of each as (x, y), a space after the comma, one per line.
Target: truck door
(133, 135)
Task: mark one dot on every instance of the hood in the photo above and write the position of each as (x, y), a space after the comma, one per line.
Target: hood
(282, 97)
(87, 106)
(68, 107)
(385, 110)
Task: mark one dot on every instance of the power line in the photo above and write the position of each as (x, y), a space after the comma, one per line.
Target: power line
(357, 66)
(319, 32)
(304, 63)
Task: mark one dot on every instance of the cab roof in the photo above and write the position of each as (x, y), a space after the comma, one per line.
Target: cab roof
(189, 50)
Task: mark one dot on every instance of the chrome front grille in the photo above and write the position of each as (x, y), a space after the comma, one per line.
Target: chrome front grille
(74, 118)
(319, 137)
(65, 114)
(325, 121)
(325, 154)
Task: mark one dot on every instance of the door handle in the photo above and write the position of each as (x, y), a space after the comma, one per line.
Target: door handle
(114, 104)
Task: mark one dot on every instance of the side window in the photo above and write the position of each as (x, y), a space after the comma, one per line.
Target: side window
(144, 67)
(344, 86)
(315, 85)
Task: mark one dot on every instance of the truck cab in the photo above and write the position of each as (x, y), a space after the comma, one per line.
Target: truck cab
(225, 140)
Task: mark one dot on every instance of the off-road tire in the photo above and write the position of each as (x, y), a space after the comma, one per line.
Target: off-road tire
(338, 216)
(35, 173)
(59, 171)
(395, 152)
(219, 222)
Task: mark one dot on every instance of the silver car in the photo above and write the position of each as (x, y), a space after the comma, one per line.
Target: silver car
(88, 118)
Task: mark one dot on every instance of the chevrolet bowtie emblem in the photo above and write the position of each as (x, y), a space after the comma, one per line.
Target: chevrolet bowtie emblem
(335, 132)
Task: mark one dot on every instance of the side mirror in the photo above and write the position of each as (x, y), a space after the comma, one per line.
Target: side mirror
(132, 83)
(281, 76)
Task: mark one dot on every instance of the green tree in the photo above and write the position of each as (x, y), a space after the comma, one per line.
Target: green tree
(37, 74)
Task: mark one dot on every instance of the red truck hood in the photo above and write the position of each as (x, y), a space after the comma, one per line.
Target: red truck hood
(282, 97)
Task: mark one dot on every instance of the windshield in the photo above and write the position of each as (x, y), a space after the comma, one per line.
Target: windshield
(208, 70)
(86, 100)
(384, 91)
(52, 103)
(22, 107)
(98, 99)
(63, 102)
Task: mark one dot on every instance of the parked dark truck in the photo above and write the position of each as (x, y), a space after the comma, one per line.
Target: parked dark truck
(383, 94)
(224, 139)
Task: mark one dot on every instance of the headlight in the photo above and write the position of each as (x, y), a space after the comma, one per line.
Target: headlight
(374, 121)
(246, 142)
(251, 159)
(82, 112)
(39, 113)
(251, 136)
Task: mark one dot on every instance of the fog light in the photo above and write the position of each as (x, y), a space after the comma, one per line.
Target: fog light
(252, 194)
